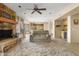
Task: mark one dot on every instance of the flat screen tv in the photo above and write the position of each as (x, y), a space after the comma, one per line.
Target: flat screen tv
(5, 34)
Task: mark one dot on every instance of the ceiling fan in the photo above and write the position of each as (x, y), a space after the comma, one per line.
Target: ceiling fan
(36, 9)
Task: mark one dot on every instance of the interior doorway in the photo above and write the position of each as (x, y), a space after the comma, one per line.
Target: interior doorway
(61, 29)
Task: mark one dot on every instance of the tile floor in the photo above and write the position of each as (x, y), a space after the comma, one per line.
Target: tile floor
(56, 47)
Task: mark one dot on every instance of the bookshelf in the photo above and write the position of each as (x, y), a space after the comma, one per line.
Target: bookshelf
(7, 12)
(7, 18)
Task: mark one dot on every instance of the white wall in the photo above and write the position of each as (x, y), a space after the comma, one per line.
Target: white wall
(53, 29)
(69, 19)
(46, 26)
(20, 27)
(27, 28)
(74, 30)
(58, 29)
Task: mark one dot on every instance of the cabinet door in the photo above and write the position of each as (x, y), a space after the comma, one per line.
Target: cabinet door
(2, 6)
(0, 13)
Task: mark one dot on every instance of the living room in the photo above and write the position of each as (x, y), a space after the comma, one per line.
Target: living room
(41, 22)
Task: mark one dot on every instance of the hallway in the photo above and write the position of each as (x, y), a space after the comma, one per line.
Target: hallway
(53, 48)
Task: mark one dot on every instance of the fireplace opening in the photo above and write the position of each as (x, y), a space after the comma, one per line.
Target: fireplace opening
(4, 34)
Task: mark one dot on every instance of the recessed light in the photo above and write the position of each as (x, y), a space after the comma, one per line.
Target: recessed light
(19, 6)
(50, 12)
(24, 13)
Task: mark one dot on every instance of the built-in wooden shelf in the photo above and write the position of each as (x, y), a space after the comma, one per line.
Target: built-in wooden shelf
(2, 19)
(58, 25)
(7, 28)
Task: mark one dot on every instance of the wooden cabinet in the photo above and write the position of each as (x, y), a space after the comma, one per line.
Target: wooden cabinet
(6, 26)
(7, 17)
(6, 20)
(7, 12)
(37, 26)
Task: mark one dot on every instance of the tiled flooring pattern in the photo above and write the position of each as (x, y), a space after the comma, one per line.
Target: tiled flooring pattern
(56, 47)
(53, 48)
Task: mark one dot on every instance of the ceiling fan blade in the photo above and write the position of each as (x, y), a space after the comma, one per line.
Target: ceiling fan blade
(42, 9)
(33, 12)
(39, 12)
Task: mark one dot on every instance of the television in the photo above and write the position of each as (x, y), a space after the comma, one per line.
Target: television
(4, 34)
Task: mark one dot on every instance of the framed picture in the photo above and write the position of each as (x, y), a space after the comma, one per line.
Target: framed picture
(76, 21)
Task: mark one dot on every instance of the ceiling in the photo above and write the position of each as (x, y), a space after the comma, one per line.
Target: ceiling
(52, 9)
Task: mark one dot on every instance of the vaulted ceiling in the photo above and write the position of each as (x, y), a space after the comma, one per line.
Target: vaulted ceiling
(52, 9)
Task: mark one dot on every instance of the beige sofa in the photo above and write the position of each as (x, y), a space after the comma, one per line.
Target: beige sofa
(40, 36)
